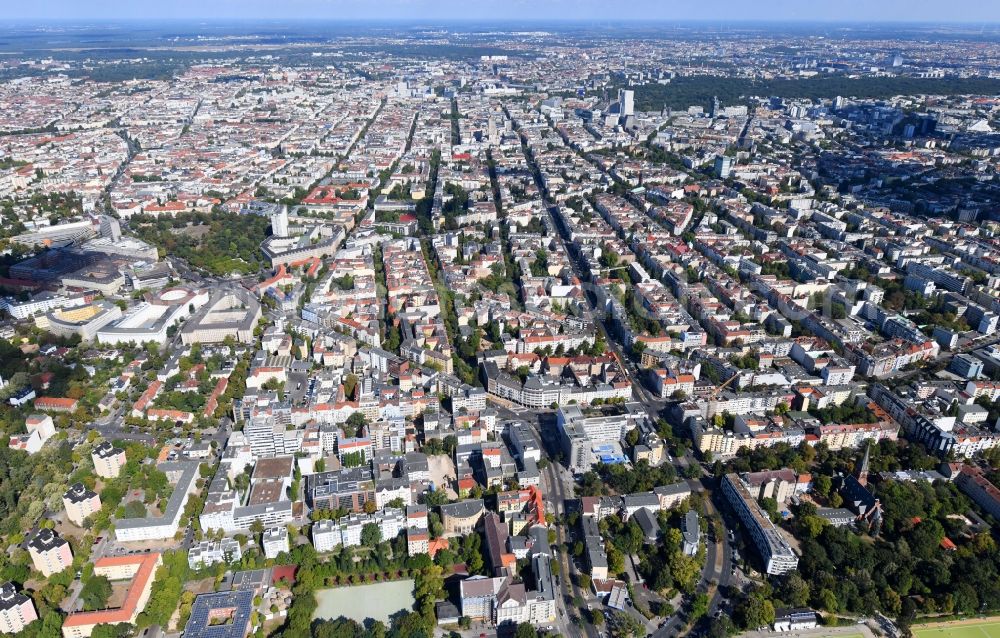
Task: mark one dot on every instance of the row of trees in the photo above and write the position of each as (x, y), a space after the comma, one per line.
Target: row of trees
(314, 573)
(619, 479)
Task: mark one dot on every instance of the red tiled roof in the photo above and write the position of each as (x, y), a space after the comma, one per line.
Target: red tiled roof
(129, 609)
(55, 403)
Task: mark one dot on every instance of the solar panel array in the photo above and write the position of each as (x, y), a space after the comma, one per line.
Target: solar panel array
(198, 625)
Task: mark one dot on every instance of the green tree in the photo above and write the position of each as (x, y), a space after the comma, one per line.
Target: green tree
(755, 611)
(699, 606)
(624, 625)
(95, 593)
(120, 630)
(616, 561)
(822, 485)
(371, 535)
(525, 630)
(257, 527)
(355, 423)
(135, 509)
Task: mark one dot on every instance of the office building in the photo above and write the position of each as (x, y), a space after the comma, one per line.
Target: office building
(229, 312)
(626, 102)
(723, 166)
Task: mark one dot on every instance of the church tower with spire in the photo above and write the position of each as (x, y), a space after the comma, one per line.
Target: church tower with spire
(861, 471)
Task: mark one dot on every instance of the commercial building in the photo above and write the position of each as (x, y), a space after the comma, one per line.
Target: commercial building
(775, 552)
(41, 303)
(49, 553)
(150, 321)
(585, 440)
(82, 321)
(626, 102)
(348, 488)
(524, 442)
(229, 312)
(461, 518)
(966, 366)
(318, 241)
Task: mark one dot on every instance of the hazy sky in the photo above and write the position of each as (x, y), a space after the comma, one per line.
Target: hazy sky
(722, 10)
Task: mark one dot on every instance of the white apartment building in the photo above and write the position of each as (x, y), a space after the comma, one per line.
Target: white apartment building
(208, 553)
(275, 541)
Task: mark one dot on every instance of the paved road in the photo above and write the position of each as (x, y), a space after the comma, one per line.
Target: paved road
(717, 568)
(554, 480)
(113, 432)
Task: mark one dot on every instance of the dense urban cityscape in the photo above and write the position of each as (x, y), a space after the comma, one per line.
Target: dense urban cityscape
(499, 330)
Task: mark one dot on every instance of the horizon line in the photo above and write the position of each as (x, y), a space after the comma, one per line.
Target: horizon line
(483, 20)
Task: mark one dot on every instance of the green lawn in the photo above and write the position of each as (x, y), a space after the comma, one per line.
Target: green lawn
(985, 629)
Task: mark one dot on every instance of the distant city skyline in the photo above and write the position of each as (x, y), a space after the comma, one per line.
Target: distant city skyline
(504, 10)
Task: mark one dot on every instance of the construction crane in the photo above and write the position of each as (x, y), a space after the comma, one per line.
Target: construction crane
(722, 387)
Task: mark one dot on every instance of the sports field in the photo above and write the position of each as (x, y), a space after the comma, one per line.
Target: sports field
(984, 629)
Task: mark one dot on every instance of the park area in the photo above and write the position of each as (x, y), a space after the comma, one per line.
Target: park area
(379, 601)
(961, 629)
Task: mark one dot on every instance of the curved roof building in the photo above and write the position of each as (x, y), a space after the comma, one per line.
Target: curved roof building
(149, 320)
(84, 321)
